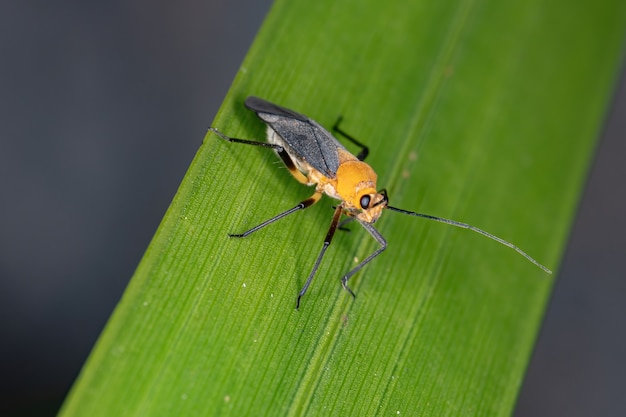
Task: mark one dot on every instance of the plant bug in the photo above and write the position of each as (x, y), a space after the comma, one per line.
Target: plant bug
(314, 157)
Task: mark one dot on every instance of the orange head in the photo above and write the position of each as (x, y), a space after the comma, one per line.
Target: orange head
(356, 186)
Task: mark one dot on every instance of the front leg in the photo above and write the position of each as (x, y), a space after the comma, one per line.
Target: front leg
(383, 245)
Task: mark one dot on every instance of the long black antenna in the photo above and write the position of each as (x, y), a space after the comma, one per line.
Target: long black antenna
(472, 228)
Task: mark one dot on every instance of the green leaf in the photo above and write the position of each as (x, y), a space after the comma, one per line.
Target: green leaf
(485, 112)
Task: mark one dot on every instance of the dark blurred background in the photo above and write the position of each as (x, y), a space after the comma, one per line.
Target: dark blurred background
(102, 107)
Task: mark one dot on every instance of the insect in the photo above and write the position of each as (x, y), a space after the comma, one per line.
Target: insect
(315, 158)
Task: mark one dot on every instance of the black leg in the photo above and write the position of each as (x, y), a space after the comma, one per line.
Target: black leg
(300, 206)
(282, 153)
(364, 149)
(277, 148)
(342, 224)
(383, 245)
(327, 240)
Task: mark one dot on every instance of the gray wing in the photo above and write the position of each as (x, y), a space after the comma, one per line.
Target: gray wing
(307, 138)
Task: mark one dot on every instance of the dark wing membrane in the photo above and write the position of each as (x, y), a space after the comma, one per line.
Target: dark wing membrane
(259, 105)
(307, 139)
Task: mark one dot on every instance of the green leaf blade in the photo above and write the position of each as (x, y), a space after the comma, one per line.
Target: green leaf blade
(481, 111)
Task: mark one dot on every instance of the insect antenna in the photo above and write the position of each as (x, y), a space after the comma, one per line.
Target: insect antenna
(472, 228)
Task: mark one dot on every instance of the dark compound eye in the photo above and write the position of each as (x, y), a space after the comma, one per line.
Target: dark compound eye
(365, 201)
